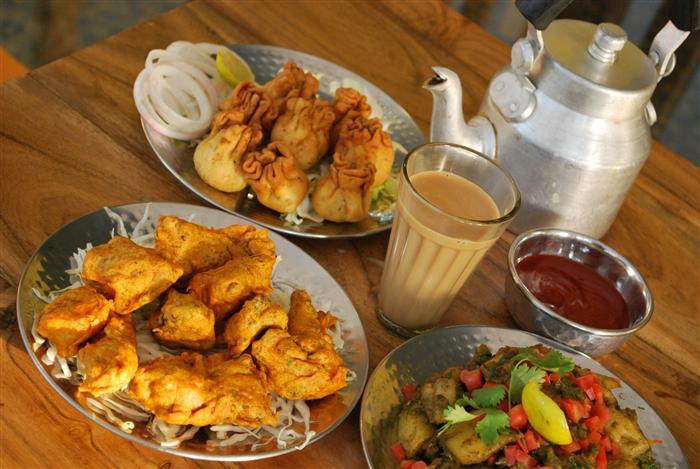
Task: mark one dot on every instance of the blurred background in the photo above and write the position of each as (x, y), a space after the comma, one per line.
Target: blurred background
(36, 32)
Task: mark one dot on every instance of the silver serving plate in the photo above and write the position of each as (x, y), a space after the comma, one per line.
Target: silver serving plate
(46, 272)
(416, 359)
(265, 62)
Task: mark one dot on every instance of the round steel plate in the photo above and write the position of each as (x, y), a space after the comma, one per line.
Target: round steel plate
(46, 272)
(265, 61)
(416, 359)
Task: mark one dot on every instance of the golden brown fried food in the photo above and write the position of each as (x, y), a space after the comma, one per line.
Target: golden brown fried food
(305, 129)
(226, 288)
(276, 178)
(365, 139)
(130, 274)
(254, 241)
(218, 158)
(248, 104)
(291, 82)
(348, 104)
(184, 321)
(111, 361)
(191, 389)
(72, 318)
(343, 195)
(255, 316)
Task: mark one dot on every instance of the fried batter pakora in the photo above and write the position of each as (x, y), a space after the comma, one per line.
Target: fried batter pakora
(255, 316)
(183, 321)
(130, 274)
(111, 361)
(191, 389)
(301, 363)
(74, 317)
(224, 289)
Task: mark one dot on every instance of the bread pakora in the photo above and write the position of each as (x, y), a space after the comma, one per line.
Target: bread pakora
(130, 274)
(72, 318)
(224, 289)
(301, 363)
(192, 389)
(110, 361)
(255, 316)
(183, 321)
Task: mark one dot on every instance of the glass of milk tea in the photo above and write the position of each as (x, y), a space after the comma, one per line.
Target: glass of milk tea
(453, 204)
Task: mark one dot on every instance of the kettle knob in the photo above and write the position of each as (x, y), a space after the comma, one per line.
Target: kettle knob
(608, 40)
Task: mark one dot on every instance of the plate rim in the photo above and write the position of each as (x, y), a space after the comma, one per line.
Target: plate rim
(281, 229)
(544, 340)
(364, 369)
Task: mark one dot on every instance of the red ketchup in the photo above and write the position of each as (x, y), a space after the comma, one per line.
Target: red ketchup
(575, 291)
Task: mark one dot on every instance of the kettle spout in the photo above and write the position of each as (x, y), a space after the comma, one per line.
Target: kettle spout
(447, 122)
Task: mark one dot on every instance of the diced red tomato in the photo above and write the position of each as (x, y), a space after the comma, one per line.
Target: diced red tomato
(601, 411)
(407, 463)
(601, 460)
(522, 445)
(472, 379)
(587, 406)
(503, 405)
(614, 451)
(585, 443)
(510, 452)
(590, 385)
(408, 391)
(419, 465)
(606, 443)
(531, 440)
(491, 384)
(571, 447)
(546, 381)
(574, 409)
(397, 451)
(518, 418)
(554, 377)
(594, 424)
(526, 460)
(492, 459)
(594, 437)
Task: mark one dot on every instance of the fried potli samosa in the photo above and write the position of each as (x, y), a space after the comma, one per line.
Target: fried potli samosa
(291, 82)
(275, 176)
(129, 274)
(365, 139)
(255, 316)
(183, 321)
(110, 361)
(191, 389)
(226, 288)
(343, 195)
(348, 104)
(305, 128)
(248, 104)
(218, 158)
(74, 317)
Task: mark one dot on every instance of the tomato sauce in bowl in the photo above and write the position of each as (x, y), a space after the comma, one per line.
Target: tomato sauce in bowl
(575, 291)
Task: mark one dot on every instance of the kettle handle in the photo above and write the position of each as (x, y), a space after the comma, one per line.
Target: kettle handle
(541, 12)
(685, 14)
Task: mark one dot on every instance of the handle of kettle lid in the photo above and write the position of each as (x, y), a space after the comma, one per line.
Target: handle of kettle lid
(541, 12)
(685, 14)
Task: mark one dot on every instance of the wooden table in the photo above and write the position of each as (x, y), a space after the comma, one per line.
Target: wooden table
(72, 143)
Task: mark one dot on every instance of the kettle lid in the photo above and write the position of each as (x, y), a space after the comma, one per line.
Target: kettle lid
(601, 55)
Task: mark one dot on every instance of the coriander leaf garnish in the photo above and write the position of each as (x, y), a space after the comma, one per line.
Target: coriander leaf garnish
(455, 414)
(553, 361)
(494, 422)
(488, 397)
(465, 401)
(519, 377)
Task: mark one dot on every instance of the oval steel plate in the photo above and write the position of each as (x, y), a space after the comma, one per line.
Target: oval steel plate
(416, 359)
(46, 272)
(265, 61)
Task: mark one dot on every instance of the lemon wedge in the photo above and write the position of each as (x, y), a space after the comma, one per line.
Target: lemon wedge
(232, 68)
(545, 416)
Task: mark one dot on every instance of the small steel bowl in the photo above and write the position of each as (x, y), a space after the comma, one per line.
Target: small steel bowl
(533, 315)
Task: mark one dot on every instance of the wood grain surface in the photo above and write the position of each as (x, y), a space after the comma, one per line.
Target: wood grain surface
(71, 143)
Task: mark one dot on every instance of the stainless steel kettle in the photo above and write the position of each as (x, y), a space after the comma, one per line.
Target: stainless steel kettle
(569, 117)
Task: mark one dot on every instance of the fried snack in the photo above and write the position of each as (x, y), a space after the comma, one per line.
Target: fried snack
(111, 361)
(256, 315)
(191, 389)
(348, 104)
(305, 128)
(343, 195)
(183, 321)
(276, 178)
(291, 82)
(130, 274)
(253, 240)
(72, 318)
(248, 104)
(218, 158)
(224, 289)
(365, 139)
